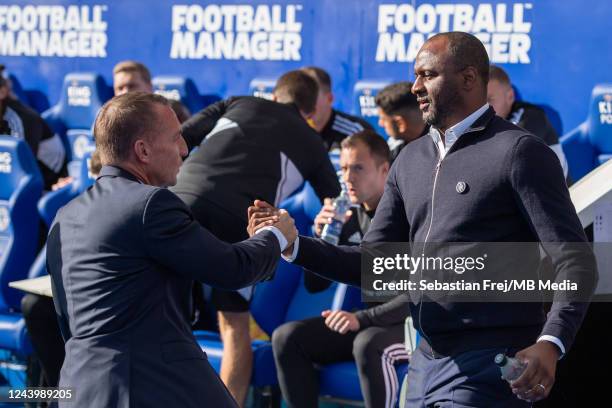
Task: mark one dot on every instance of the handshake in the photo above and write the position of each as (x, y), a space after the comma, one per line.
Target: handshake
(261, 214)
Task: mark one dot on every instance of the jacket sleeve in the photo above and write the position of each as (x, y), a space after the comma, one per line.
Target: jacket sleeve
(542, 196)
(390, 313)
(176, 241)
(338, 263)
(390, 223)
(199, 125)
(343, 263)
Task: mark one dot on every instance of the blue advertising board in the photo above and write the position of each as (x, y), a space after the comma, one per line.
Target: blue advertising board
(555, 52)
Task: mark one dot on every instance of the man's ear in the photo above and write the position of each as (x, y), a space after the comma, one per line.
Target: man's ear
(330, 97)
(401, 123)
(469, 77)
(141, 151)
(274, 97)
(511, 95)
(386, 166)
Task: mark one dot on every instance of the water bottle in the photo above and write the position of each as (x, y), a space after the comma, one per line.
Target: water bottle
(511, 368)
(342, 203)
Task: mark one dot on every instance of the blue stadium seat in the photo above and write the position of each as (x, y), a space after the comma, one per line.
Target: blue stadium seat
(82, 144)
(341, 380)
(14, 341)
(20, 188)
(262, 87)
(51, 202)
(364, 104)
(33, 98)
(590, 144)
(83, 94)
(184, 90)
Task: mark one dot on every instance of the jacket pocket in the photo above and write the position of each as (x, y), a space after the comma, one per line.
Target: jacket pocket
(181, 350)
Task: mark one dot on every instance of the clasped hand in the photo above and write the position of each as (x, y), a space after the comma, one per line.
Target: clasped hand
(261, 214)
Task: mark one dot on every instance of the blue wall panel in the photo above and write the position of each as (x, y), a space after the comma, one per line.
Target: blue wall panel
(569, 50)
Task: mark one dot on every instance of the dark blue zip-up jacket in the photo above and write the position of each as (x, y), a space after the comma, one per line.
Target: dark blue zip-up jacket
(515, 192)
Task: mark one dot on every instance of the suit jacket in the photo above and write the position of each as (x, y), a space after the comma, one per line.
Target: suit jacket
(122, 258)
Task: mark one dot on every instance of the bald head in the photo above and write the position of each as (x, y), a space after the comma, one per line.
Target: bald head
(462, 50)
(451, 75)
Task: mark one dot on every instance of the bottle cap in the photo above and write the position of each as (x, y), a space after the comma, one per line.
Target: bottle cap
(500, 359)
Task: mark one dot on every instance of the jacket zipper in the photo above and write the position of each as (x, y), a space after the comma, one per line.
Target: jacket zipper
(433, 198)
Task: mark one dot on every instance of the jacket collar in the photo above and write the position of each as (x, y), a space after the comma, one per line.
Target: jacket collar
(482, 122)
(116, 171)
(329, 123)
(478, 125)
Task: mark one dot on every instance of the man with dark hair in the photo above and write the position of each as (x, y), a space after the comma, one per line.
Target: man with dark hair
(332, 125)
(131, 76)
(501, 97)
(296, 88)
(122, 259)
(399, 115)
(475, 178)
(250, 148)
(373, 337)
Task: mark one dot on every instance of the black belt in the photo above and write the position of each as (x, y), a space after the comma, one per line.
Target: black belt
(426, 349)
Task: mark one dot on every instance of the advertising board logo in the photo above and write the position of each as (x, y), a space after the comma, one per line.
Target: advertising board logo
(237, 32)
(261, 91)
(172, 94)
(605, 110)
(367, 103)
(6, 160)
(78, 95)
(82, 145)
(503, 29)
(53, 31)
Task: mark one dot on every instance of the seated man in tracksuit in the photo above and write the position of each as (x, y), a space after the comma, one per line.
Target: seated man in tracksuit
(374, 337)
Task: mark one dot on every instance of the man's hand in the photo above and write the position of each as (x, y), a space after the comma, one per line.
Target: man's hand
(286, 225)
(539, 377)
(326, 215)
(61, 182)
(340, 321)
(261, 214)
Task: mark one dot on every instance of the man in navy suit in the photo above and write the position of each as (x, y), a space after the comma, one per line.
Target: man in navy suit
(123, 257)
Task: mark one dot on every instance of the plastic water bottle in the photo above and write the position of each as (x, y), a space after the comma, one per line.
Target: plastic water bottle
(511, 368)
(342, 203)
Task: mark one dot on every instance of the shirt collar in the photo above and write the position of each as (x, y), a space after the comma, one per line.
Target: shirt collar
(453, 133)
